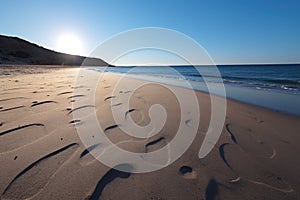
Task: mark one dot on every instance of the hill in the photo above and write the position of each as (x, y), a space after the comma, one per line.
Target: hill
(14, 50)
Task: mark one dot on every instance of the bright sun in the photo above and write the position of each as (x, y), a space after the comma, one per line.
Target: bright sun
(69, 43)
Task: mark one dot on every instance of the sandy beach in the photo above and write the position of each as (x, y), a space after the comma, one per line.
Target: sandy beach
(43, 157)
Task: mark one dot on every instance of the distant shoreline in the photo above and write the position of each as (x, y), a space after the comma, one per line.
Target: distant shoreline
(218, 65)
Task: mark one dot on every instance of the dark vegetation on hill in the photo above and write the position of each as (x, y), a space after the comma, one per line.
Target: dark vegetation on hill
(14, 50)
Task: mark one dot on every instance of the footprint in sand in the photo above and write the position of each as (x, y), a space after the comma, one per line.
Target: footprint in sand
(212, 190)
(20, 127)
(110, 176)
(222, 154)
(254, 171)
(87, 150)
(69, 92)
(11, 108)
(152, 143)
(25, 134)
(187, 172)
(75, 96)
(251, 141)
(81, 107)
(33, 178)
(188, 122)
(233, 138)
(75, 121)
(87, 158)
(111, 127)
(36, 103)
(129, 111)
(110, 97)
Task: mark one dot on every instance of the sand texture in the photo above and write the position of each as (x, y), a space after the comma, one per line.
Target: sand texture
(43, 157)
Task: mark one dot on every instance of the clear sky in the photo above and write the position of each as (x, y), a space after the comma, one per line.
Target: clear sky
(232, 31)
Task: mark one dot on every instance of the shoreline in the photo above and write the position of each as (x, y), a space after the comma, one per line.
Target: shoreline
(32, 69)
(259, 98)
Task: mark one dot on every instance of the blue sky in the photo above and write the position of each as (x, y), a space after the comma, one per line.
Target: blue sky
(232, 31)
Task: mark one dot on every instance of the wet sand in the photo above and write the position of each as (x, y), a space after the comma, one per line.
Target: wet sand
(43, 157)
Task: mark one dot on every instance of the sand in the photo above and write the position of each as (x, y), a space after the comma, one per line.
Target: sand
(43, 157)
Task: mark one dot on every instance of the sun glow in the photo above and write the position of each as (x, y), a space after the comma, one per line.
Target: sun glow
(69, 43)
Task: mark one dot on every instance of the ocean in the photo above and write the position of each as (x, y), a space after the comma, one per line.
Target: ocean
(272, 86)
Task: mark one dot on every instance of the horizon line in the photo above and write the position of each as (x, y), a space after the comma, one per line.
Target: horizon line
(219, 64)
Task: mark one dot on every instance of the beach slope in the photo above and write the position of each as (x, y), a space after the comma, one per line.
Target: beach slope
(42, 155)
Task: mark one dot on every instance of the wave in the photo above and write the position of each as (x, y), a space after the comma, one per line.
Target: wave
(235, 78)
(270, 80)
(291, 85)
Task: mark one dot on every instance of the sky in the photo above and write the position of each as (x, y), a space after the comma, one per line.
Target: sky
(231, 31)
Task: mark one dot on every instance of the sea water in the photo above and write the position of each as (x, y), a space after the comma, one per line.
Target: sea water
(271, 86)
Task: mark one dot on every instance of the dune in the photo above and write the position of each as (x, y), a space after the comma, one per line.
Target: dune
(42, 155)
